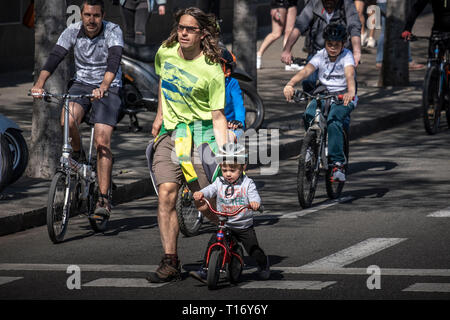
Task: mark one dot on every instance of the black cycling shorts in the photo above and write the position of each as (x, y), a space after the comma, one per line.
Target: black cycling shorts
(105, 110)
(283, 4)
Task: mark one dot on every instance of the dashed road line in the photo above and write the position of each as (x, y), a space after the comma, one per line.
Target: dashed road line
(288, 285)
(123, 283)
(354, 253)
(4, 280)
(444, 213)
(429, 287)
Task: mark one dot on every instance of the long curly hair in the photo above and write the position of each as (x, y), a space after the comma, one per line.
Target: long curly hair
(208, 25)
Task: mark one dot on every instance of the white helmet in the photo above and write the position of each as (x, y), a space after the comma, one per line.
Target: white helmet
(231, 153)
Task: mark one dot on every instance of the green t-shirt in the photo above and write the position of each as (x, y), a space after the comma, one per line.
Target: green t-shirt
(190, 89)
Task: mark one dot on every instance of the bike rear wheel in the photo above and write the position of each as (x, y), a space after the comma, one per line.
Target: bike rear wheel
(214, 266)
(308, 170)
(431, 101)
(58, 206)
(254, 107)
(189, 218)
(334, 188)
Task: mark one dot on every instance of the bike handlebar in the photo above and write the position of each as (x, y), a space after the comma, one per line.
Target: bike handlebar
(299, 61)
(230, 214)
(63, 95)
(299, 93)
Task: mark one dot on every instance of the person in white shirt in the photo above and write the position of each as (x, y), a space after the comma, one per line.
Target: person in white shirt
(336, 71)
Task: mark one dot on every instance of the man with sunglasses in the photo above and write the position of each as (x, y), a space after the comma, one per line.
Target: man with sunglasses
(190, 123)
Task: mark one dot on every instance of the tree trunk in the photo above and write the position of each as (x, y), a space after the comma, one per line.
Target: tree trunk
(395, 71)
(245, 29)
(46, 133)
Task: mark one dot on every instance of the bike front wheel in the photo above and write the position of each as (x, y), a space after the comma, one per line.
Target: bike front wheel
(254, 107)
(58, 207)
(189, 218)
(431, 100)
(308, 170)
(214, 266)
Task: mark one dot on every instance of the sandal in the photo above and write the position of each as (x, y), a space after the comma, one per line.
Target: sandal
(103, 209)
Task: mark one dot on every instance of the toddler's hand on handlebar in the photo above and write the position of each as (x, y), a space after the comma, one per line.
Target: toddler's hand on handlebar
(198, 195)
(254, 205)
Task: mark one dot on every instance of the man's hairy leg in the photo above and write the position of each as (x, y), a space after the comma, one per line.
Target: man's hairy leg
(103, 133)
(167, 216)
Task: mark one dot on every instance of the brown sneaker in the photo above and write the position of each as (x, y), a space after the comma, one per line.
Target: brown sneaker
(166, 271)
(103, 208)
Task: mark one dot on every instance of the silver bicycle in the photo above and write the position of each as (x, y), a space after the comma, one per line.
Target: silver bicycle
(74, 187)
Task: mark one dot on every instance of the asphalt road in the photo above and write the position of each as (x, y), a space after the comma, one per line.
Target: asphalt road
(394, 217)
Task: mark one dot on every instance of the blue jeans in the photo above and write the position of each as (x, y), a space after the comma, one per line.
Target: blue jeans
(336, 122)
(379, 58)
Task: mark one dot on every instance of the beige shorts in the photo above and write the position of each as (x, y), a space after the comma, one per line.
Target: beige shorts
(166, 170)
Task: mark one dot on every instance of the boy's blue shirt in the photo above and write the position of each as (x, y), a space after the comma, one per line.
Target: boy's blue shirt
(234, 108)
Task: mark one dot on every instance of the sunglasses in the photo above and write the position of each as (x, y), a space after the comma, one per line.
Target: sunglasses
(189, 29)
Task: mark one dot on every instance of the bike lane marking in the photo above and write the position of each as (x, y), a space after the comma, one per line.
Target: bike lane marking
(4, 280)
(288, 285)
(429, 287)
(123, 283)
(354, 253)
(444, 213)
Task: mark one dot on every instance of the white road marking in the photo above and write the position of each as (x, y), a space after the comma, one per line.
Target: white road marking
(363, 271)
(83, 267)
(301, 213)
(353, 253)
(429, 287)
(123, 283)
(290, 285)
(4, 280)
(444, 213)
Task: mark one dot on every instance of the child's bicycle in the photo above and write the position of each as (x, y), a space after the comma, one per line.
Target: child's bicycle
(225, 255)
(314, 154)
(74, 184)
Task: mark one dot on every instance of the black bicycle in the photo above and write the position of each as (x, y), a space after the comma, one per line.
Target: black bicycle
(314, 154)
(436, 91)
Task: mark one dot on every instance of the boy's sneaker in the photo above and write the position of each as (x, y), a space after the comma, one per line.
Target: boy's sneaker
(338, 172)
(258, 62)
(167, 271)
(200, 275)
(264, 272)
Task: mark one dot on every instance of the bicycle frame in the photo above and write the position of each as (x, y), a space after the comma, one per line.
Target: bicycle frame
(222, 238)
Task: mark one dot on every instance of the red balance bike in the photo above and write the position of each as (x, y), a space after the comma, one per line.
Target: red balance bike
(225, 255)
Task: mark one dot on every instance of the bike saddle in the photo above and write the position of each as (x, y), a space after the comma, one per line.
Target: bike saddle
(144, 53)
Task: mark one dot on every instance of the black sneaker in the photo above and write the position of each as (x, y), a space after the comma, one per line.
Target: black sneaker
(166, 272)
(264, 271)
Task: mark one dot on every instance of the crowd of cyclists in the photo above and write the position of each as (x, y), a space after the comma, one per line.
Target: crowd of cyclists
(199, 103)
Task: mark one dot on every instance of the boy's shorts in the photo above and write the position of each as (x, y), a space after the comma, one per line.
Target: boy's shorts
(106, 110)
(166, 167)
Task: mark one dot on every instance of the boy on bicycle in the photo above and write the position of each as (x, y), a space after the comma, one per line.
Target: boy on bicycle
(233, 190)
(336, 68)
